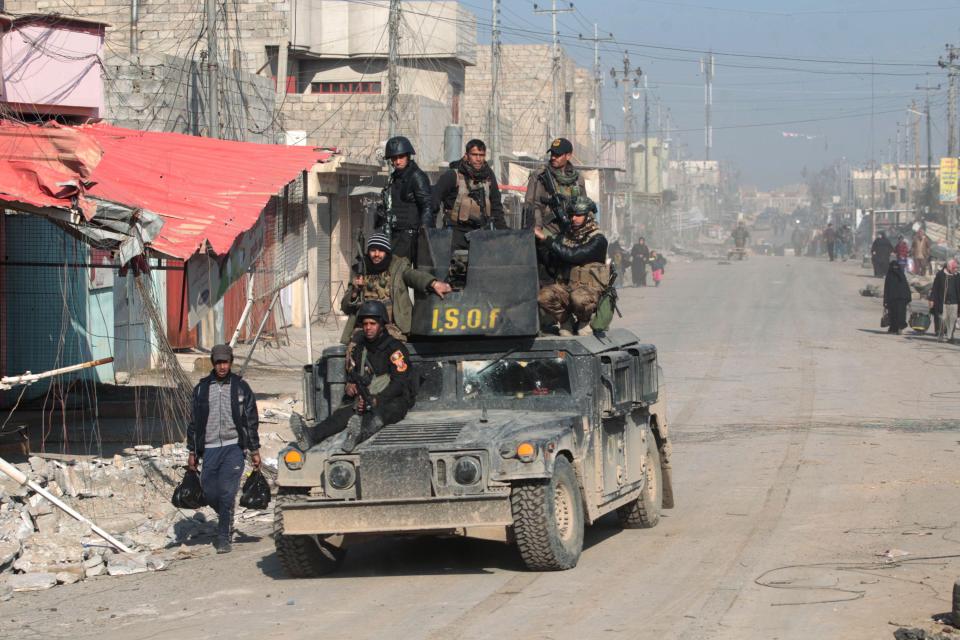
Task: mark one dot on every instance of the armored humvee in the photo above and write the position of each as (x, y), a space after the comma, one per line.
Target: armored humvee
(513, 437)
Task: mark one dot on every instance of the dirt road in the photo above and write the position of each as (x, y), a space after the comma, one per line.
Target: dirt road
(807, 443)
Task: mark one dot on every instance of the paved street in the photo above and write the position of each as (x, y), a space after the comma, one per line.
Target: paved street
(806, 444)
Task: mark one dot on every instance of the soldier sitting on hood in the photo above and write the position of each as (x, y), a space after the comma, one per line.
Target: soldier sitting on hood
(385, 278)
(579, 258)
(469, 195)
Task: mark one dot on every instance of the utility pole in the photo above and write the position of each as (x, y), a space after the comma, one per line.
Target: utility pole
(597, 90)
(630, 79)
(213, 88)
(646, 139)
(393, 69)
(706, 68)
(553, 11)
(928, 191)
(949, 63)
(493, 113)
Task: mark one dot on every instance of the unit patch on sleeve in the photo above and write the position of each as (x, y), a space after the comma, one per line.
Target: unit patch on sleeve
(398, 360)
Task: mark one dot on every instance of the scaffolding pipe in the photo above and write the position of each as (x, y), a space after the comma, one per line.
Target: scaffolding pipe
(29, 378)
(21, 478)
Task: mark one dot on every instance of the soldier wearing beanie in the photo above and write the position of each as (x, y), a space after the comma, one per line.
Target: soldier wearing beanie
(384, 277)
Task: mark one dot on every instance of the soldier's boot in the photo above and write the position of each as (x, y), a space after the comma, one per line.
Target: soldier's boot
(371, 424)
(301, 432)
(354, 424)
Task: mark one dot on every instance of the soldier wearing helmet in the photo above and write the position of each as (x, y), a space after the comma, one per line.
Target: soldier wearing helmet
(406, 199)
(578, 256)
(380, 275)
(381, 384)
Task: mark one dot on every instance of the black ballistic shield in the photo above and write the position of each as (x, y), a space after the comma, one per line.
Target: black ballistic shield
(500, 295)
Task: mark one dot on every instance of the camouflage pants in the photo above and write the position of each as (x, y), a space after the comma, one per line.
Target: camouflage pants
(560, 301)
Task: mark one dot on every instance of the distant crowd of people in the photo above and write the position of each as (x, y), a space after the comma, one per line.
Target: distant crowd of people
(893, 262)
(637, 261)
(837, 243)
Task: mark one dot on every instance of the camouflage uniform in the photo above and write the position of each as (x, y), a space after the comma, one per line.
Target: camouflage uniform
(583, 275)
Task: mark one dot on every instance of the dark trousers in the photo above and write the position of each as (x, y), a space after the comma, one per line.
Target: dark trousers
(459, 239)
(389, 412)
(220, 477)
(832, 250)
(403, 242)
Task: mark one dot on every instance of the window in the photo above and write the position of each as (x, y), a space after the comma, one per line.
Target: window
(516, 378)
(345, 87)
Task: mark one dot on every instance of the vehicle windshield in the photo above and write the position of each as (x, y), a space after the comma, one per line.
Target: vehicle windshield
(516, 378)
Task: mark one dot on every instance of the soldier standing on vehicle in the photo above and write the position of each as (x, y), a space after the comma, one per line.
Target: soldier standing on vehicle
(469, 196)
(381, 384)
(569, 185)
(224, 423)
(406, 199)
(385, 277)
(583, 280)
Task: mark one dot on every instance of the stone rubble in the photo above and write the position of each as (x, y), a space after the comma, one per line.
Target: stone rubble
(128, 495)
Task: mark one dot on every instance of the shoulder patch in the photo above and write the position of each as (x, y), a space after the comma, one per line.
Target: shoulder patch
(398, 360)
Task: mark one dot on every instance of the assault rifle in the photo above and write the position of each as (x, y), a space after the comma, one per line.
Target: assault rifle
(386, 218)
(360, 262)
(362, 383)
(558, 203)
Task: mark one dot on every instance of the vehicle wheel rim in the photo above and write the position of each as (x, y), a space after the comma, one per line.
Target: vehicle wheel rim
(563, 512)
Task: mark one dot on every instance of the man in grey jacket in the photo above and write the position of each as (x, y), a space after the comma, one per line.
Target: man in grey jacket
(224, 423)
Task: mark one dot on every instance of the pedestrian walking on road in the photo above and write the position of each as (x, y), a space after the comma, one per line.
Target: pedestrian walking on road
(944, 300)
(830, 239)
(797, 240)
(844, 242)
(880, 252)
(657, 267)
(903, 252)
(920, 250)
(639, 256)
(896, 297)
(224, 423)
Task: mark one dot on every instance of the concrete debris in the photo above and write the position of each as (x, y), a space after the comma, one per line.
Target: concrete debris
(903, 633)
(32, 581)
(128, 495)
(871, 291)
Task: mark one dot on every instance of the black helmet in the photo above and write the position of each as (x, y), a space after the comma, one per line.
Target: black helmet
(398, 146)
(372, 309)
(583, 206)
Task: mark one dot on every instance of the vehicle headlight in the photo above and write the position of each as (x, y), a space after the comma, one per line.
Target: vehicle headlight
(341, 475)
(293, 458)
(466, 471)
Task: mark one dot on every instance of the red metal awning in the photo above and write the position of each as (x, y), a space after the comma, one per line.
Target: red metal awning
(206, 191)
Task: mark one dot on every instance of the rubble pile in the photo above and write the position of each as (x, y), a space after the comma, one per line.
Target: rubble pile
(128, 495)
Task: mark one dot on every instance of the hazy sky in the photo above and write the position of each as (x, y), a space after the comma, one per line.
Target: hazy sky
(817, 89)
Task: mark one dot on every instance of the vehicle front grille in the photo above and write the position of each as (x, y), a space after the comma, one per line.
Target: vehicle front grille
(406, 434)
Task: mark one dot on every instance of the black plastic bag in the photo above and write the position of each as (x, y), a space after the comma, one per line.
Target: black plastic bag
(189, 493)
(255, 493)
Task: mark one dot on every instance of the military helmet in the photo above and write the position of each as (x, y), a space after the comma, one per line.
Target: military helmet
(583, 206)
(398, 146)
(373, 309)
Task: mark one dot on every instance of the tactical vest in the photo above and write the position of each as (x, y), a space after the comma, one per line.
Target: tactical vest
(377, 383)
(465, 209)
(376, 286)
(593, 275)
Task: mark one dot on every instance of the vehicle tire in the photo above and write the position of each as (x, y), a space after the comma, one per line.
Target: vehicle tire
(304, 556)
(548, 519)
(644, 511)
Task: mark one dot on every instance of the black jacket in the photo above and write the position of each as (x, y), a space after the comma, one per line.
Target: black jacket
(445, 194)
(881, 249)
(640, 252)
(411, 198)
(243, 406)
(387, 355)
(944, 290)
(895, 286)
(593, 250)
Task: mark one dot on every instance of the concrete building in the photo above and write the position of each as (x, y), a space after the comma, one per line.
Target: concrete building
(894, 186)
(526, 109)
